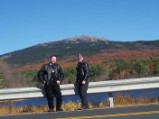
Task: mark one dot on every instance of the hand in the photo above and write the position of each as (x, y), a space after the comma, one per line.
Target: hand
(83, 82)
(58, 82)
(45, 83)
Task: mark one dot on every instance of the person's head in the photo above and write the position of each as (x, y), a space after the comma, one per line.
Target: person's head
(80, 57)
(53, 59)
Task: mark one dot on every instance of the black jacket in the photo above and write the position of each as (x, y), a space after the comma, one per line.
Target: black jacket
(82, 71)
(50, 72)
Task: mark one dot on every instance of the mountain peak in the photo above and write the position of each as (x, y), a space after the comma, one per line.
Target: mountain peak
(87, 45)
(84, 38)
(76, 39)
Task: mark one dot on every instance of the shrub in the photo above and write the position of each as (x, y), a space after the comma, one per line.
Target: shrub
(156, 69)
(141, 67)
(69, 74)
(96, 70)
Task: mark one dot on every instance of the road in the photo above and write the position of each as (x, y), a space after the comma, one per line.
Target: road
(132, 112)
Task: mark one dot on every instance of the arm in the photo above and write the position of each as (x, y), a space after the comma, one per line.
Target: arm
(61, 74)
(41, 74)
(86, 71)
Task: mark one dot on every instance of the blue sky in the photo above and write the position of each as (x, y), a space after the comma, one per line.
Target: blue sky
(24, 23)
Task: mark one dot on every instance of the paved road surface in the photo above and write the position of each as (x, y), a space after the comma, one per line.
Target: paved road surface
(135, 112)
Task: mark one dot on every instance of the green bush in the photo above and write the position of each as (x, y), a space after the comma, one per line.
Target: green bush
(122, 65)
(4, 75)
(69, 74)
(156, 69)
(141, 67)
(30, 73)
(129, 69)
(96, 70)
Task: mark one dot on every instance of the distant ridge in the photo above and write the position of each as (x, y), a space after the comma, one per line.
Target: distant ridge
(67, 47)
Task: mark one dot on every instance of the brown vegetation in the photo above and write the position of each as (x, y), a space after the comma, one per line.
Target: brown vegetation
(99, 58)
(23, 75)
(71, 106)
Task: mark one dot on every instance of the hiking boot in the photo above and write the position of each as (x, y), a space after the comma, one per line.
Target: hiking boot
(59, 110)
(83, 107)
(50, 110)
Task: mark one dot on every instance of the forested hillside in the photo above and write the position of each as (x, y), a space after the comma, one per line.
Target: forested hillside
(71, 46)
(109, 60)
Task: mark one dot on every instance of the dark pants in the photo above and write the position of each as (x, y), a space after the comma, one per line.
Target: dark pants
(82, 90)
(53, 89)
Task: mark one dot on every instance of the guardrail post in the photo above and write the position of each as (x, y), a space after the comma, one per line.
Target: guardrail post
(10, 106)
(110, 98)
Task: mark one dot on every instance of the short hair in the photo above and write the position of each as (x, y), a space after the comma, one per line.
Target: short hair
(52, 56)
(80, 55)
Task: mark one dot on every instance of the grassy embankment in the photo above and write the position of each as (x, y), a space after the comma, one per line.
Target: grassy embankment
(70, 106)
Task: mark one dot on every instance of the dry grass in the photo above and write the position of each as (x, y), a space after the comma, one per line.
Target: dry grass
(23, 109)
(127, 100)
(71, 106)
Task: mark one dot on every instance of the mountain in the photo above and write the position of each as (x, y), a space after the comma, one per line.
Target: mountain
(72, 46)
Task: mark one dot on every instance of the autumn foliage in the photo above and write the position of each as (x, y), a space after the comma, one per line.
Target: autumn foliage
(105, 65)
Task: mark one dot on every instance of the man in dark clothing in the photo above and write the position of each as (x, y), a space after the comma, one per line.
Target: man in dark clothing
(51, 75)
(82, 80)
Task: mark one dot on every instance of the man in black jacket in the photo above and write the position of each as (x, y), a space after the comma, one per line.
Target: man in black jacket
(51, 75)
(82, 80)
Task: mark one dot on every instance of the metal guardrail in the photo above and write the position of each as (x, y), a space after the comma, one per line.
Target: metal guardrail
(94, 87)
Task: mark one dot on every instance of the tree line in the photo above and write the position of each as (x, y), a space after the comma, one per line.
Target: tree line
(107, 70)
